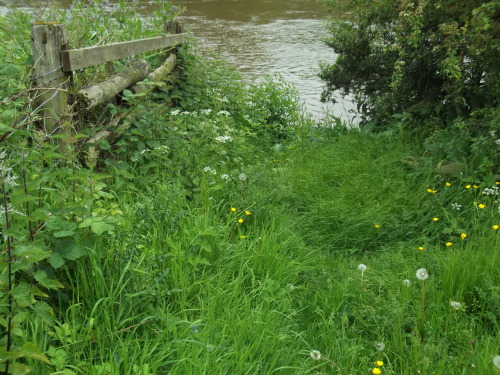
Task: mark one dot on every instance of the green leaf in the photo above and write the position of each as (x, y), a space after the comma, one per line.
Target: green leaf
(99, 227)
(23, 295)
(33, 252)
(61, 227)
(45, 281)
(72, 251)
(56, 260)
(44, 312)
(64, 233)
(19, 369)
(5, 128)
(28, 350)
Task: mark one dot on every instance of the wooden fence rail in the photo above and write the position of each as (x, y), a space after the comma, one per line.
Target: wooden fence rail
(54, 63)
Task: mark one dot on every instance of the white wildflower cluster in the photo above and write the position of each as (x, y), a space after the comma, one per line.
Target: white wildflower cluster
(498, 142)
(162, 148)
(209, 170)
(225, 177)
(456, 206)
(224, 113)
(495, 190)
(175, 112)
(224, 138)
(455, 305)
(6, 172)
(493, 134)
(12, 210)
(10, 180)
(206, 111)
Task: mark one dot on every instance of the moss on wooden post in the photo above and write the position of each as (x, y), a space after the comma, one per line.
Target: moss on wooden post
(48, 40)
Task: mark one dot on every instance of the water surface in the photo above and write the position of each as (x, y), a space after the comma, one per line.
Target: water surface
(260, 37)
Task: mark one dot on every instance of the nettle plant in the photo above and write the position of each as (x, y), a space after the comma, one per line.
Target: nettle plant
(54, 202)
(52, 212)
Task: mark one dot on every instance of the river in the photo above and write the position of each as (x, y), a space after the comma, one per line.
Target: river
(259, 37)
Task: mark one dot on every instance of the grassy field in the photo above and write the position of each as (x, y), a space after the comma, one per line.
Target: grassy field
(232, 235)
(183, 287)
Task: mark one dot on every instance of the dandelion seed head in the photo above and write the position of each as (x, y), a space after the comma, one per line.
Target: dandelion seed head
(362, 267)
(406, 282)
(496, 361)
(315, 355)
(422, 274)
(242, 176)
(379, 345)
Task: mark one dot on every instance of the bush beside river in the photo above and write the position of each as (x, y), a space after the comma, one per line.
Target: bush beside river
(228, 233)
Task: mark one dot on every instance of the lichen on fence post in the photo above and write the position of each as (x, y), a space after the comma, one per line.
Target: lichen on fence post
(48, 40)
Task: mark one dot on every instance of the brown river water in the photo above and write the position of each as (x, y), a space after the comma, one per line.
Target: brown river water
(260, 37)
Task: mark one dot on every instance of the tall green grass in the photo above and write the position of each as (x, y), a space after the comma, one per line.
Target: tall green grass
(183, 288)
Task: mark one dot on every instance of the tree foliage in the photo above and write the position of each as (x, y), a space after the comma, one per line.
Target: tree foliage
(424, 58)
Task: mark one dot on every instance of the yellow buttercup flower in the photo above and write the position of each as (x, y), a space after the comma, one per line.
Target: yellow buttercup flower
(240, 221)
(463, 236)
(379, 363)
(248, 213)
(495, 227)
(480, 205)
(448, 184)
(497, 183)
(431, 191)
(449, 244)
(242, 237)
(420, 247)
(233, 209)
(376, 370)
(435, 219)
(476, 186)
(467, 186)
(377, 226)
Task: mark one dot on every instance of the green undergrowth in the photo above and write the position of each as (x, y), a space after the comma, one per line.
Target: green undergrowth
(227, 233)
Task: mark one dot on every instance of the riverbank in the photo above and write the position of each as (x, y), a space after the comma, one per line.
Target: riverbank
(230, 234)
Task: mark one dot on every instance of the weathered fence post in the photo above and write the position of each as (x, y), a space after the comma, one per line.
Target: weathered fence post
(172, 27)
(49, 39)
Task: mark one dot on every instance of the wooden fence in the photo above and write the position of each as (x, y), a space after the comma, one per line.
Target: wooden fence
(54, 63)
